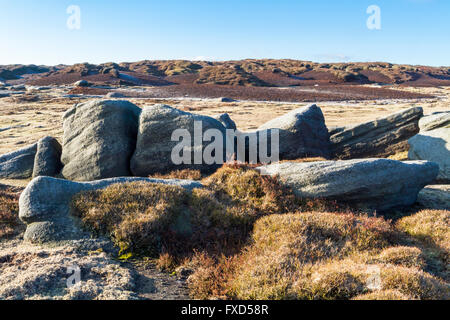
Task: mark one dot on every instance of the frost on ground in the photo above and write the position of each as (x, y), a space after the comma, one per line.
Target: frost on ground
(31, 272)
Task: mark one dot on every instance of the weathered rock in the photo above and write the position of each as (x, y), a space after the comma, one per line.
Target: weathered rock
(375, 184)
(99, 139)
(48, 158)
(155, 146)
(45, 205)
(436, 197)
(225, 99)
(82, 83)
(4, 95)
(303, 133)
(19, 87)
(18, 164)
(227, 122)
(380, 138)
(114, 95)
(435, 121)
(433, 146)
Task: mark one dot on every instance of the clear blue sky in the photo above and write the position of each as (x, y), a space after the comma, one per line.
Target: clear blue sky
(412, 31)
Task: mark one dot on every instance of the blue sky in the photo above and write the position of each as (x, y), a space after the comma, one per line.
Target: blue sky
(412, 31)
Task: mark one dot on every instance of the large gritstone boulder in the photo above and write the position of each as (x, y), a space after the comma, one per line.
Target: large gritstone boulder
(433, 146)
(380, 138)
(162, 129)
(48, 158)
(18, 164)
(435, 121)
(375, 184)
(302, 133)
(99, 139)
(45, 205)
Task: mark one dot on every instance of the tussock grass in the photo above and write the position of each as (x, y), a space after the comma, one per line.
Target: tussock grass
(9, 213)
(432, 226)
(188, 174)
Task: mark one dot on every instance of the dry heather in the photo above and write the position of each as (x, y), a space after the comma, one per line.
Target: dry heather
(9, 213)
(244, 236)
(432, 226)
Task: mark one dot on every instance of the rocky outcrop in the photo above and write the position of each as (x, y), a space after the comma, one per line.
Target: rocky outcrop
(380, 138)
(99, 139)
(155, 145)
(48, 158)
(435, 121)
(45, 205)
(18, 164)
(227, 122)
(302, 133)
(375, 184)
(82, 83)
(434, 146)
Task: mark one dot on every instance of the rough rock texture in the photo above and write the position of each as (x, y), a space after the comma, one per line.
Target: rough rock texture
(435, 121)
(82, 83)
(435, 197)
(377, 184)
(99, 139)
(114, 95)
(303, 133)
(18, 164)
(44, 205)
(30, 272)
(227, 122)
(380, 138)
(434, 146)
(48, 158)
(154, 144)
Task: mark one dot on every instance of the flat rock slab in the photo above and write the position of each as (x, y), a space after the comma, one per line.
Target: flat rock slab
(435, 121)
(375, 184)
(380, 138)
(18, 164)
(45, 205)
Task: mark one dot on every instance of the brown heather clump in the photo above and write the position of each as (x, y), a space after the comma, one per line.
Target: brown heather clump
(432, 226)
(9, 213)
(187, 174)
(410, 257)
(134, 215)
(384, 295)
(283, 245)
(148, 219)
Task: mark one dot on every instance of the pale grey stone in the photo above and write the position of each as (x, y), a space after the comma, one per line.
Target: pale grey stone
(18, 164)
(375, 184)
(433, 146)
(99, 139)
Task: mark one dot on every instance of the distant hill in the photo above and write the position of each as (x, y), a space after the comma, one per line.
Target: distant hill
(254, 73)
